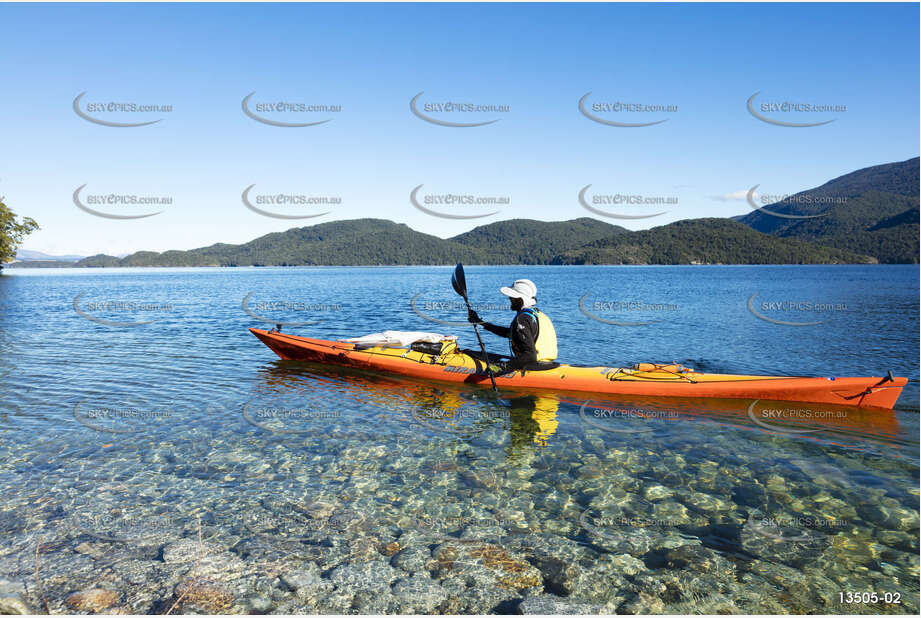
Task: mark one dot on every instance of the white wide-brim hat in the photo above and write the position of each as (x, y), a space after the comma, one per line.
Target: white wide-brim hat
(522, 288)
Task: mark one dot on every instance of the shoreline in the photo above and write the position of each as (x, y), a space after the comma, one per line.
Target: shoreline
(11, 266)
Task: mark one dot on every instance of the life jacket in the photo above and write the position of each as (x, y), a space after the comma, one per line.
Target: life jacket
(545, 344)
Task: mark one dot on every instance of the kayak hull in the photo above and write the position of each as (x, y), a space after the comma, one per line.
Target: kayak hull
(863, 392)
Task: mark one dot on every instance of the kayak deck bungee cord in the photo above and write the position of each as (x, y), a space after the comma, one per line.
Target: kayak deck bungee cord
(446, 362)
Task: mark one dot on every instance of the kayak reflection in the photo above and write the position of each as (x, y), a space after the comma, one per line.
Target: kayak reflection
(448, 409)
(533, 418)
(830, 424)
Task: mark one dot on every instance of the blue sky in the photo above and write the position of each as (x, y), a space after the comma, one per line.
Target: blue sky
(538, 60)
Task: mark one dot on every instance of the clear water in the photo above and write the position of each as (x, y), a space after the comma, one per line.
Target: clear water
(316, 490)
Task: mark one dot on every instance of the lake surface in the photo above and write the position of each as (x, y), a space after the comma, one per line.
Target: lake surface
(152, 447)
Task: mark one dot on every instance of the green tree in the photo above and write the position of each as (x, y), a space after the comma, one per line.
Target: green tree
(12, 231)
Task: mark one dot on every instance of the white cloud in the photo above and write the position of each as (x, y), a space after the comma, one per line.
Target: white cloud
(735, 196)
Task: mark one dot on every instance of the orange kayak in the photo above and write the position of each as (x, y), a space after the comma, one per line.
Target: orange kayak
(451, 364)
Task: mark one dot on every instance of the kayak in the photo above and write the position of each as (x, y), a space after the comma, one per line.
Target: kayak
(444, 405)
(449, 363)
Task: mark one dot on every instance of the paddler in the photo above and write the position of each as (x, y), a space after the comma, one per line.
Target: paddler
(532, 338)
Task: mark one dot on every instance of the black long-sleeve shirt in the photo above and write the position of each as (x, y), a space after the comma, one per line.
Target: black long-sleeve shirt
(523, 336)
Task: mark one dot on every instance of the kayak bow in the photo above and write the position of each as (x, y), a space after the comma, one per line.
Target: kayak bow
(645, 379)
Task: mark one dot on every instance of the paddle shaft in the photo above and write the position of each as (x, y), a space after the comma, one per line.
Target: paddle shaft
(482, 349)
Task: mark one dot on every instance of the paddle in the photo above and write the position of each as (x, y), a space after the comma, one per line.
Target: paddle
(459, 282)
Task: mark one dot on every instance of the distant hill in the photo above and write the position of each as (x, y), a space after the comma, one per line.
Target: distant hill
(706, 241)
(40, 264)
(26, 255)
(525, 241)
(381, 242)
(873, 211)
(338, 243)
(99, 261)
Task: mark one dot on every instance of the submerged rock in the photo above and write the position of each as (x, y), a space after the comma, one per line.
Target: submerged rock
(366, 602)
(603, 581)
(188, 550)
(209, 560)
(627, 564)
(671, 514)
(308, 576)
(891, 517)
(92, 600)
(512, 571)
(418, 594)
(12, 595)
(546, 604)
(136, 572)
(899, 540)
(620, 537)
(469, 594)
(643, 603)
(412, 559)
(657, 492)
(94, 550)
(389, 549)
(259, 605)
(375, 575)
(209, 596)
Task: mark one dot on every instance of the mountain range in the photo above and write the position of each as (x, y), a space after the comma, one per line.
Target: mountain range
(867, 216)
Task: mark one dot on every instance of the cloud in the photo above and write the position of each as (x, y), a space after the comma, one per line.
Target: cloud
(735, 196)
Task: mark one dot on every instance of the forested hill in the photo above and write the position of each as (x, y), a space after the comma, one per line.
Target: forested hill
(581, 241)
(381, 242)
(525, 241)
(706, 241)
(873, 211)
(339, 243)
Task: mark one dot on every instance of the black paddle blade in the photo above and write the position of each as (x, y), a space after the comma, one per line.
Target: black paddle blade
(459, 281)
